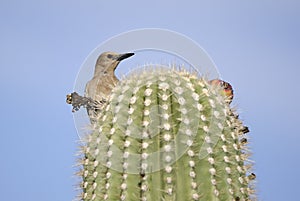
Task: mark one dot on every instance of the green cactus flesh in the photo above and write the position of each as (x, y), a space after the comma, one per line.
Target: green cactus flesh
(165, 135)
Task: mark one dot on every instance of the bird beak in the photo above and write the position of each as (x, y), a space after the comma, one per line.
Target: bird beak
(124, 56)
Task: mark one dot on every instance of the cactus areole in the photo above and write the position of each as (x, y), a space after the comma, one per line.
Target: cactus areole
(166, 134)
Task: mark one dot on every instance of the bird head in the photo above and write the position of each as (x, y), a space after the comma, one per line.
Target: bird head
(227, 88)
(107, 62)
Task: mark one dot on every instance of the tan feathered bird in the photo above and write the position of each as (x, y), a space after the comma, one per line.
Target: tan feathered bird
(104, 79)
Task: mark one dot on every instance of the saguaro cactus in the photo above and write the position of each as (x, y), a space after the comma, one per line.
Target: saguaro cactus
(166, 134)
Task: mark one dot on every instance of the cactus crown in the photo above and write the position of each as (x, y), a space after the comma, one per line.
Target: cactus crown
(166, 134)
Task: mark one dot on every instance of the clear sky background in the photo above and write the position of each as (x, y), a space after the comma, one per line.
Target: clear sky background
(255, 45)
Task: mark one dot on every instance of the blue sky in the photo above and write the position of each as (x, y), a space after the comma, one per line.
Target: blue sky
(255, 45)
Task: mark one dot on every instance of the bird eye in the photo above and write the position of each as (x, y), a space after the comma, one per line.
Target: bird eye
(109, 56)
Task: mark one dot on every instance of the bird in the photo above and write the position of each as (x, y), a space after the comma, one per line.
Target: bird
(104, 80)
(227, 88)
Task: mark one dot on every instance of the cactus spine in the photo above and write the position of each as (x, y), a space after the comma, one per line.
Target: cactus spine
(166, 135)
